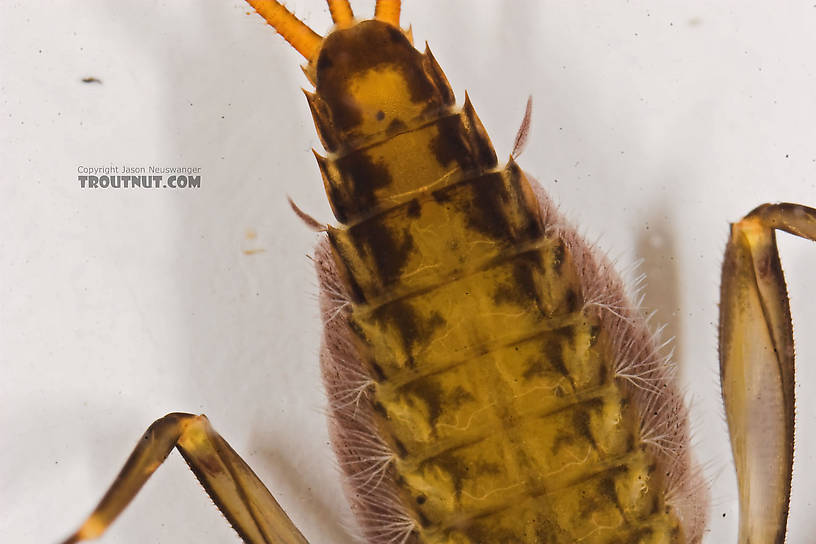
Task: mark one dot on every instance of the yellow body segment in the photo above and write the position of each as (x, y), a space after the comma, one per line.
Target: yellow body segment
(496, 389)
(494, 385)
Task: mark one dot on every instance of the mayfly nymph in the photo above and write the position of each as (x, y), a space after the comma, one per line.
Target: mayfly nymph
(488, 379)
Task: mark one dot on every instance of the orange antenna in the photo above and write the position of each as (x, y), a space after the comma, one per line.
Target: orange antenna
(388, 11)
(305, 40)
(341, 11)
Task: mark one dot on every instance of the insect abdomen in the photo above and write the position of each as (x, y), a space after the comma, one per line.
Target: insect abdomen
(494, 412)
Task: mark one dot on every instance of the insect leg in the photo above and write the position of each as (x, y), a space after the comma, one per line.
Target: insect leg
(757, 366)
(341, 11)
(388, 11)
(305, 40)
(228, 480)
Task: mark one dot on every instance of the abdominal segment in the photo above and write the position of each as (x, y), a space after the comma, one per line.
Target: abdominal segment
(489, 405)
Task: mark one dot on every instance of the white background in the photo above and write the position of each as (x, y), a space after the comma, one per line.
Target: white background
(655, 123)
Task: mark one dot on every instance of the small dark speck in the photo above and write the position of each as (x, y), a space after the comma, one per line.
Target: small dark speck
(91, 79)
(723, 514)
(380, 115)
(787, 156)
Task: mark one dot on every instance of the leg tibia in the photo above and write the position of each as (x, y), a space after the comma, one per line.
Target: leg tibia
(229, 481)
(757, 366)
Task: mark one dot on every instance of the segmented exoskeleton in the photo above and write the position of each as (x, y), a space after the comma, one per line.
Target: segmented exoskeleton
(489, 381)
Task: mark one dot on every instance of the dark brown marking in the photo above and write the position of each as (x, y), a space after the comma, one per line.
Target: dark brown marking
(348, 53)
(590, 504)
(567, 333)
(402, 451)
(364, 177)
(423, 520)
(606, 488)
(547, 532)
(523, 288)
(486, 210)
(594, 332)
(396, 35)
(412, 327)
(380, 409)
(451, 463)
(559, 253)
(331, 187)
(562, 440)
(485, 531)
(435, 398)
(378, 371)
(603, 373)
(676, 532)
(413, 209)
(324, 61)
(396, 126)
(388, 252)
(581, 421)
(555, 355)
(535, 367)
(532, 226)
(451, 145)
(571, 300)
(356, 292)
(460, 469)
